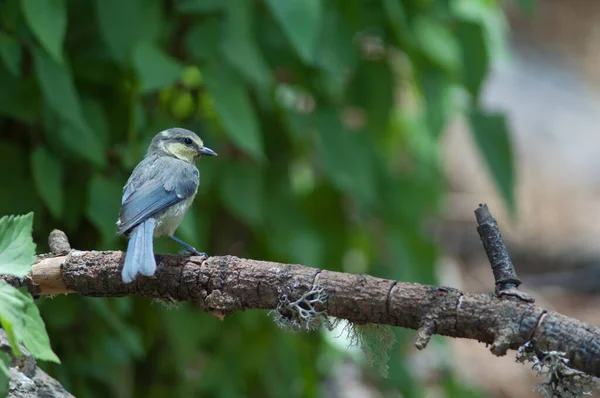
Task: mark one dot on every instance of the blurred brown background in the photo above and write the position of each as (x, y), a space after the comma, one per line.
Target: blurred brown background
(550, 88)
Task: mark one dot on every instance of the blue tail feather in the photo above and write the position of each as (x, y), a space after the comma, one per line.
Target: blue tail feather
(140, 252)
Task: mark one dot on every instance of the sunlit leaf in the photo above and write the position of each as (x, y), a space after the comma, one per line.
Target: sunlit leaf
(104, 201)
(492, 136)
(4, 378)
(242, 192)
(21, 320)
(493, 22)
(437, 43)
(17, 250)
(235, 111)
(47, 19)
(12, 306)
(34, 335)
(301, 22)
(10, 54)
(48, 178)
(155, 68)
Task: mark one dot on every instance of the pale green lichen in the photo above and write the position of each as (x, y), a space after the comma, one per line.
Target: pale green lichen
(559, 379)
(375, 341)
(301, 315)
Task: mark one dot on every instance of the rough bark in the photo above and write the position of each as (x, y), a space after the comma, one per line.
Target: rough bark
(505, 319)
(228, 284)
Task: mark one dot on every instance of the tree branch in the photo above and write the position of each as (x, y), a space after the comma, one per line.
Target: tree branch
(228, 284)
(223, 285)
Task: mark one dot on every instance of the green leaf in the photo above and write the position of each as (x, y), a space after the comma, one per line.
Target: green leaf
(300, 20)
(74, 139)
(19, 98)
(10, 53)
(34, 335)
(21, 320)
(124, 24)
(11, 309)
(4, 377)
(492, 136)
(373, 90)
(439, 104)
(15, 158)
(104, 201)
(58, 88)
(48, 177)
(345, 156)
(47, 19)
(475, 59)
(17, 250)
(96, 117)
(490, 17)
(234, 109)
(437, 43)
(239, 43)
(396, 14)
(242, 192)
(200, 6)
(336, 51)
(155, 68)
(61, 96)
(203, 40)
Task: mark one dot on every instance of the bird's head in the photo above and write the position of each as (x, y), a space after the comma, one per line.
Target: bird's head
(181, 143)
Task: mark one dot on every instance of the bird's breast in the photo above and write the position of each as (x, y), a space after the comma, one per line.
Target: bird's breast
(167, 223)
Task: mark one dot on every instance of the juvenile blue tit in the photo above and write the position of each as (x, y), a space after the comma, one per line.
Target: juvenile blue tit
(157, 195)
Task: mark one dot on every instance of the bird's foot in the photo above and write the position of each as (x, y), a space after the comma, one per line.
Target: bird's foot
(194, 252)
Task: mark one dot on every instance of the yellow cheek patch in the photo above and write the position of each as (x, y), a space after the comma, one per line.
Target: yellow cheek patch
(181, 151)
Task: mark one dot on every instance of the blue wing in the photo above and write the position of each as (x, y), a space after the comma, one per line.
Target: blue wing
(154, 187)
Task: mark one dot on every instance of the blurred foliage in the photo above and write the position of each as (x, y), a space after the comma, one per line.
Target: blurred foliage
(19, 316)
(326, 116)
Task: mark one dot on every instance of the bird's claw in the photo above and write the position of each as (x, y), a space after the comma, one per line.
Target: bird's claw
(189, 253)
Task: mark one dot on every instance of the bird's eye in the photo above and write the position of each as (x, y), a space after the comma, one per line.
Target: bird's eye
(187, 141)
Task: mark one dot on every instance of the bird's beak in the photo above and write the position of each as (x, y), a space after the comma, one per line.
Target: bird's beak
(207, 151)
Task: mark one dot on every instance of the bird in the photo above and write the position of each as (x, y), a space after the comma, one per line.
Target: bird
(156, 197)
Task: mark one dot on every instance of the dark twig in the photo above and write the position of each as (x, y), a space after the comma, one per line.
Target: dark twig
(505, 275)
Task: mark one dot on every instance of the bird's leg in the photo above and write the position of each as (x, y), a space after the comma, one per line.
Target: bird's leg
(189, 248)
